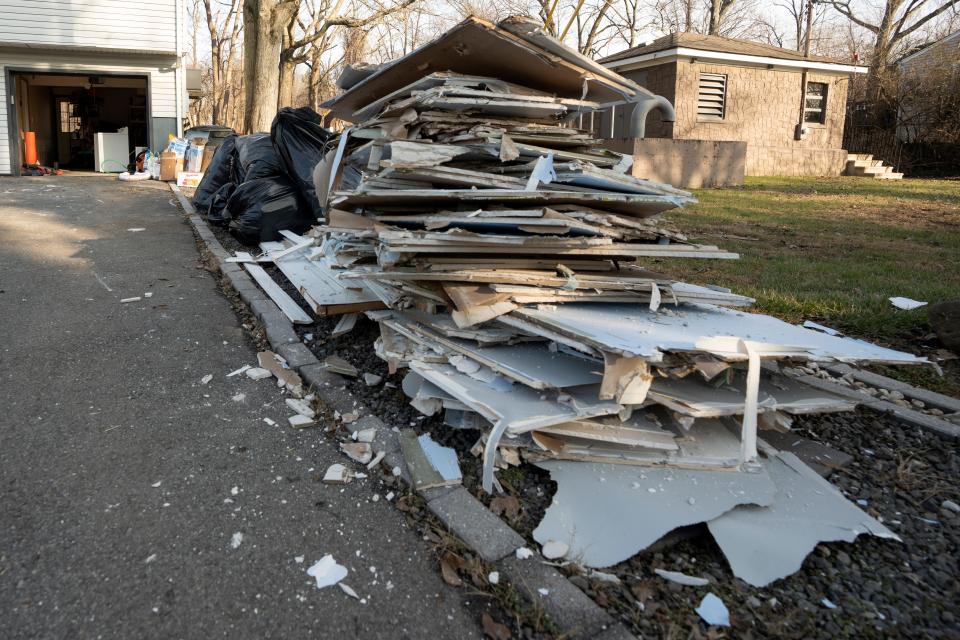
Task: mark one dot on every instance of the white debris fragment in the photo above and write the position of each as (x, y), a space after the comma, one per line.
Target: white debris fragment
(234, 491)
(713, 611)
(365, 435)
(126, 300)
(236, 540)
(602, 576)
(150, 558)
(523, 553)
(298, 421)
(240, 397)
(238, 371)
(376, 459)
(206, 379)
(681, 578)
(494, 577)
(349, 591)
(135, 229)
(157, 484)
(337, 474)
(258, 373)
(298, 559)
(903, 303)
(148, 294)
(543, 592)
(829, 605)
(270, 422)
(950, 505)
(389, 496)
(301, 407)
(554, 549)
(372, 379)
(327, 572)
(360, 452)
(396, 472)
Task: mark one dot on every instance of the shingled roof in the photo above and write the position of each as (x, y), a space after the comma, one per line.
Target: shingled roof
(715, 43)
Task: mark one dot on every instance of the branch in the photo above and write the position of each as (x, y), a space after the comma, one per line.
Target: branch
(844, 9)
(922, 21)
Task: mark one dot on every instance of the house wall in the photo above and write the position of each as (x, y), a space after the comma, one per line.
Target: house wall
(162, 87)
(762, 109)
(691, 164)
(103, 24)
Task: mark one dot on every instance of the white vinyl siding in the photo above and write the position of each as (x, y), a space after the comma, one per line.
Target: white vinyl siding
(150, 27)
(162, 84)
(711, 97)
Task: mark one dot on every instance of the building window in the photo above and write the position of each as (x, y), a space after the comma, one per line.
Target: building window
(69, 123)
(815, 105)
(712, 97)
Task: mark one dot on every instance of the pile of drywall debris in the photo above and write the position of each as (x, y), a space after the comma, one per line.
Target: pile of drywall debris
(501, 250)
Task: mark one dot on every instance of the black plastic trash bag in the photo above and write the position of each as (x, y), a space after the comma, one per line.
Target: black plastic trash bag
(257, 158)
(216, 212)
(300, 142)
(218, 173)
(260, 209)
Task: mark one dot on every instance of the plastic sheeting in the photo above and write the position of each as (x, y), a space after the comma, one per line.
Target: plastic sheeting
(257, 158)
(219, 173)
(260, 209)
(300, 141)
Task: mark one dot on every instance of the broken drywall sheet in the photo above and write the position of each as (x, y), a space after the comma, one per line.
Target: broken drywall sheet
(763, 544)
(649, 503)
(635, 330)
(443, 459)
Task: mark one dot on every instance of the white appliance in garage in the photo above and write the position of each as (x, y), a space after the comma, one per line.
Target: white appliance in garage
(111, 151)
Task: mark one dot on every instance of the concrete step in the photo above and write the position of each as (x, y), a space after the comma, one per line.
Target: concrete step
(890, 175)
(859, 156)
(870, 171)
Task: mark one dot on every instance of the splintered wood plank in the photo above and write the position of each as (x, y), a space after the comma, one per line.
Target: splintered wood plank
(323, 291)
(287, 305)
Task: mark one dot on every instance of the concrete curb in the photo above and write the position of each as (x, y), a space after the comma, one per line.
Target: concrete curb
(574, 613)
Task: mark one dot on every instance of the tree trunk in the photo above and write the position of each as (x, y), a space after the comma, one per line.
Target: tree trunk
(263, 22)
(288, 69)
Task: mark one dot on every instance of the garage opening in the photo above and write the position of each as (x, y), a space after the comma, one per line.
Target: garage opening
(81, 122)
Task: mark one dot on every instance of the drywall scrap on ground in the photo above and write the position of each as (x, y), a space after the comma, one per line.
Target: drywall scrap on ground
(505, 255)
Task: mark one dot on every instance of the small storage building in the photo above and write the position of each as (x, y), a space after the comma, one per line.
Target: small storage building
(789, 109)
(70, 69)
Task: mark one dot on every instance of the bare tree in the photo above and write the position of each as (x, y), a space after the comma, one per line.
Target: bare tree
(719, 9)
(898, 20)
(224, 28)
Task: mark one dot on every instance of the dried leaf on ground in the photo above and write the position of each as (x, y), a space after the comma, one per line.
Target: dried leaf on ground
(494, 629)
(506, 505)
(450, 564)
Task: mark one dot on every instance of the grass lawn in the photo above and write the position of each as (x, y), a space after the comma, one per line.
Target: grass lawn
(833, 250)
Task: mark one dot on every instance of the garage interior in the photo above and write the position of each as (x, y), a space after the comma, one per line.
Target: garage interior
(67, 111)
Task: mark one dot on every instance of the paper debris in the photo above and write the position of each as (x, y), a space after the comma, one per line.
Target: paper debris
(554, 549)
(258, 373)
(206, 379)
(327, 572)
(713, 611)
(681, 578)
(901, 303)
(236, 540)
(299, 421)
